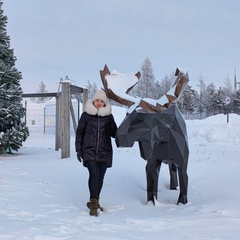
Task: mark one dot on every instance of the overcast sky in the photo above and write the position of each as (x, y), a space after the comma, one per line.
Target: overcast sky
(55, 38)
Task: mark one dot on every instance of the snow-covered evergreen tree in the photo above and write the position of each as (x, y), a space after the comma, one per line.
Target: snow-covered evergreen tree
(187, 102)
(210, 94)
(202, 98)
(92, 88)
(236, 102)
(219, 100)
(42, 89)
(146, 87)
(165, 85)
(215, 100)
(228, 87)
(13, 131)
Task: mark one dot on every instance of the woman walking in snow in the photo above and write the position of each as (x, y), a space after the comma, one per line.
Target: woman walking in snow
(93, 144)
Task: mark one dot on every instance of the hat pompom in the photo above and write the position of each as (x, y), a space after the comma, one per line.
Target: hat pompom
(100, 95)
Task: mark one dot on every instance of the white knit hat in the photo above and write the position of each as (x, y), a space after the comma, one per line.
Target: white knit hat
(100, 95)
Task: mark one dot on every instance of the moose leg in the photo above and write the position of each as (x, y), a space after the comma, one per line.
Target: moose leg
(152, 173)
(173, 176)
(183, 182)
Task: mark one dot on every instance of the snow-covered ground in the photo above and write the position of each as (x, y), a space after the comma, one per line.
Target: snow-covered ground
(43, 197)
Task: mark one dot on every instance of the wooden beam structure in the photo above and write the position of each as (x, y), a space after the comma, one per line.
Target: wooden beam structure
(63, 109)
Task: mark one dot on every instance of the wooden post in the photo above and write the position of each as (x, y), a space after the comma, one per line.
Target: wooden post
(73, 117)
(57, 127)
(65, 120)
(85, 98)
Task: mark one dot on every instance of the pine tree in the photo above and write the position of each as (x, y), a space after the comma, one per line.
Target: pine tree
(165, 84)
(12, 130)
(220, 100)
(146, 85)
(187, 103)
(236, 103)
(210, 106)
(42, 89)
(202, 97)
(92, 88)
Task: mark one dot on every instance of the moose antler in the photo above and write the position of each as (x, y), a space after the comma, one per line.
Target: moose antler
(130, 80)
(171, 97)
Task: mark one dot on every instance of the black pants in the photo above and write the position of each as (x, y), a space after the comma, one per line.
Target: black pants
(97, 172)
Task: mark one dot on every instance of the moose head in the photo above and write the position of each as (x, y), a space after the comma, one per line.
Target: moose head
(159, 129)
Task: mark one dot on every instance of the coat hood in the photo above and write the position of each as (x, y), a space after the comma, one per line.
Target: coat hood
(92, 110)
(100, 94)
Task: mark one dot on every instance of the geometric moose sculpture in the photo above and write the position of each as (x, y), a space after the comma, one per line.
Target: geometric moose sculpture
(161, 133)
(162, 138)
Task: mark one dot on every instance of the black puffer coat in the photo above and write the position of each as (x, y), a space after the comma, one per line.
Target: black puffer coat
(94, 132)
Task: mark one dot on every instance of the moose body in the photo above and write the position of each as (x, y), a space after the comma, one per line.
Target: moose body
(158, 127)
(162, 137)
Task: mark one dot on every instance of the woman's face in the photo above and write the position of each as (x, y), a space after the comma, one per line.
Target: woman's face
(98, 103)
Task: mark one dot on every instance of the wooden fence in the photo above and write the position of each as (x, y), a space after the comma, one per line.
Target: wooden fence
(64, 112)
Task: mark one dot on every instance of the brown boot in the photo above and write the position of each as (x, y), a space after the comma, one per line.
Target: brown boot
(93, 206)
(98, 205)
